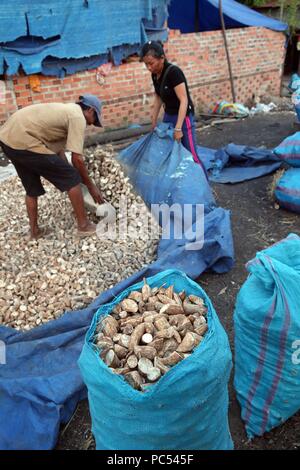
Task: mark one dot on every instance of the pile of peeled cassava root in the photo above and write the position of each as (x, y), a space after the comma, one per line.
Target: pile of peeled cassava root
(149, 332)
(42, 279)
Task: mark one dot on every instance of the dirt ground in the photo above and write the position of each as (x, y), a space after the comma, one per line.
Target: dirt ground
(256, 224)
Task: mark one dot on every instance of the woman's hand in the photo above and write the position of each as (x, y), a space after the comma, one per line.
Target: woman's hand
(177, 135)
(153, 124)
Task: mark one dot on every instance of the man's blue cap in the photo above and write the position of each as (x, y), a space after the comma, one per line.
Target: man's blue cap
(93, 102)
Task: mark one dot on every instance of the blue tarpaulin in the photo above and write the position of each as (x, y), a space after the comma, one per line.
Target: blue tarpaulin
(237, 163)
(40, 382)
(31, 32)
(182, 16)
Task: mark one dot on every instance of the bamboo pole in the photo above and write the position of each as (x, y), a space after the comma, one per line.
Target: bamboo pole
(227, 51)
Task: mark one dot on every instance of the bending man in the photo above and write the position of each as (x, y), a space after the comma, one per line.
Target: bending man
(35, 138)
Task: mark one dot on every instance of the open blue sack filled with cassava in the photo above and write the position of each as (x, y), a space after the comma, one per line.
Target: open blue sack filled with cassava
(187, 408)
(267, 338)
(196, 234)
(287, 190)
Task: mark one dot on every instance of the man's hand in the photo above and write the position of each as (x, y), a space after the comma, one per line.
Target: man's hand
(96, 194)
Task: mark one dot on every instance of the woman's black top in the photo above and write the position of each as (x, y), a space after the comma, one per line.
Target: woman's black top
(174, 77)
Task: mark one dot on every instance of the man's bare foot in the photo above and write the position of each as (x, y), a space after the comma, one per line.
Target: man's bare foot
(38, 233)
(87, 230)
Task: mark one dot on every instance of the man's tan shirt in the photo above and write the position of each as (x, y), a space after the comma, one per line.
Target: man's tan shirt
(45, 128)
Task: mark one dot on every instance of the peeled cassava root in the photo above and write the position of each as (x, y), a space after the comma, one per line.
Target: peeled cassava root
(149, 332)
(60, 272)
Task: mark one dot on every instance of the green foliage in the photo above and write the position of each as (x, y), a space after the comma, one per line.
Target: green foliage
(292, 13)
(289, 9)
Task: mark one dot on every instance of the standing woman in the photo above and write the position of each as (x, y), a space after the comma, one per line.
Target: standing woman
(171, 91)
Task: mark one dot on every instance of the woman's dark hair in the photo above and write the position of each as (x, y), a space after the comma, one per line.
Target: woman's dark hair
(153, 48)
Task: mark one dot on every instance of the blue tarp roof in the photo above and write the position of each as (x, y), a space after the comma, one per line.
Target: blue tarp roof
(236, 15)
(31, 32)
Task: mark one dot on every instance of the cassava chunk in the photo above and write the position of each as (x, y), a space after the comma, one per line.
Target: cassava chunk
(111, 359)
(196, 300)
(144, 366)
(136, 336)
(149, 328)
(161, 323)
(169, 292)
(120, 351)
(199, 321)
(172, 359)
(134, 379)
(189, 342)
(146, 291)
(157, 343)
(177, 299)
(190, 308)
(182, 295)
(202, 329)
(104, 342)
(129, 305)
(164, 299)
(110, 326)
(136, 296)
(124, 340)
(147, 338)
(127, 329)
(145, 351)
(162, 367)
(154, 374)
(132, 361)
(171, 309)
(169, 345)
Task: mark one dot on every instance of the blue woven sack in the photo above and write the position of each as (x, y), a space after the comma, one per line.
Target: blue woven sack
(186, 409)
(267, 333)
(289, 150)
(287, 191)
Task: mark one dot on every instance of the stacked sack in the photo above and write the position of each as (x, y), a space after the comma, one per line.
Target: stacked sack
(294, 86)
(287, 191)
(267, 332)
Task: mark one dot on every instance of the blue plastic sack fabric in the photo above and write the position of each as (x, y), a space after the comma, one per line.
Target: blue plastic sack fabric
(237, 163)
(186, 409)
(40, 383)
(289, 150)
(294, 82)
(267, 332)
(163, 172)
(287, 191)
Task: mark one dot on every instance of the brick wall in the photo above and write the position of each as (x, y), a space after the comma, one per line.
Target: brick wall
(257, 56)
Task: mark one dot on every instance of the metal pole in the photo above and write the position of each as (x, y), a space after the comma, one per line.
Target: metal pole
(227, 52)
(281, 9)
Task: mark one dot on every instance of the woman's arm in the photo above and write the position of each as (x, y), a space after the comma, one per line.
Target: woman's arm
(156, 108)
(181, 94)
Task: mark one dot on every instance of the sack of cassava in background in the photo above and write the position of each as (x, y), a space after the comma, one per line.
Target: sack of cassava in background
(267, 333)
(287, 190)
